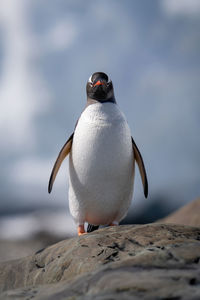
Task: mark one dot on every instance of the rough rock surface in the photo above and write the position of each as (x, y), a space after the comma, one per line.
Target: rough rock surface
(154, 261)
(187, 215)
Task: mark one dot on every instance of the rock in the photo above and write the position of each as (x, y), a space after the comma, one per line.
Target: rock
(187, 215)
(153, 261)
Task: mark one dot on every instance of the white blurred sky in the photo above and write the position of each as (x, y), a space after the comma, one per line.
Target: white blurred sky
(48, 50)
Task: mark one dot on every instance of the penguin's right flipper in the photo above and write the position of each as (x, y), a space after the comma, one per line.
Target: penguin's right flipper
(91, 228)
(63, 153)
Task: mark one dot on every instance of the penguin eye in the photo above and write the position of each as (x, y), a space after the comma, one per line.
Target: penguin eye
(90, 79)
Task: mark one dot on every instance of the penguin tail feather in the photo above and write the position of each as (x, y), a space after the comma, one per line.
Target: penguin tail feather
(91, 228)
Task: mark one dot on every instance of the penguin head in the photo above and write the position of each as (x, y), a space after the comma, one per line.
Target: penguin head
(100, 88)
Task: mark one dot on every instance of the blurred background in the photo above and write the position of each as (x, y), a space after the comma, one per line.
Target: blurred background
(48, 50)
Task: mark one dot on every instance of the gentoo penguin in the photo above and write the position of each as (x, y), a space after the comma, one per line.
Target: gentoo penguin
(102, 155)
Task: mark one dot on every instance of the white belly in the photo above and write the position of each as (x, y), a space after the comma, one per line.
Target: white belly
(101, 166)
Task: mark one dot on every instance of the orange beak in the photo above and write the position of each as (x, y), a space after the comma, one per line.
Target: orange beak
(98, 83)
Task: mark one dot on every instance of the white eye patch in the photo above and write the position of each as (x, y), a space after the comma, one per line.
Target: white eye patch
(90, 79)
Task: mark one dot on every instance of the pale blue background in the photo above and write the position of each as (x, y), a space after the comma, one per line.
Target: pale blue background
(48, 50)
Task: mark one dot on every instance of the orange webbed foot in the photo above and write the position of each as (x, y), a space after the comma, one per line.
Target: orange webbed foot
(81, 230)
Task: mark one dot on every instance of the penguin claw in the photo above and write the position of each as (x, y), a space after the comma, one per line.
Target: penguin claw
(81, 230)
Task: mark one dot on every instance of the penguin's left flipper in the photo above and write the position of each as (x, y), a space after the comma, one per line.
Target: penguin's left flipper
(63, 153)
(139, 160)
